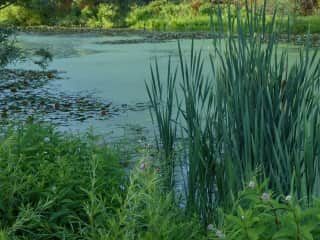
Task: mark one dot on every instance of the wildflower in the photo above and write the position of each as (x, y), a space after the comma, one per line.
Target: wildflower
(220, 234)
(46, 139)
(288, 198)
(242, 217)
(122, 188)
(210, 227)
(265, 197)
(252, 184)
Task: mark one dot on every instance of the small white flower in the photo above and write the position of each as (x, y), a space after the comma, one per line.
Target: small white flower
(288, 198)
(142, 166)
(46, 139)
(265, 197)
(242, 217)
(220, 234)
(210, 227)
(122, 188)
(252, 184)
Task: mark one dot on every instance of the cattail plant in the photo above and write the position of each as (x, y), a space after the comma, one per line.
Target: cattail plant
(256, 113)
(162, 97)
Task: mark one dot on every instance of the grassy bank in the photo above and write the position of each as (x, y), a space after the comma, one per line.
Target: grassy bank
(156, 16)
(59, 186)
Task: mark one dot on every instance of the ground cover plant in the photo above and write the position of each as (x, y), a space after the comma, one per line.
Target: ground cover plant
(259, 214)
(55, 186)
(58, 186)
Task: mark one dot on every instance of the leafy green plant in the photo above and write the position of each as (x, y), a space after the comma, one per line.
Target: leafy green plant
(55, 186)
(147, 213)
(259, 214)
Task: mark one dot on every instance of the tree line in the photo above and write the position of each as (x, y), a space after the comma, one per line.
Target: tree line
(48, 8)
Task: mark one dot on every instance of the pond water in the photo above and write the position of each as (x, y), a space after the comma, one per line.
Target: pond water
(95, 64)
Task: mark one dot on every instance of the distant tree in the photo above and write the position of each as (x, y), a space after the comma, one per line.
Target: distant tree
(9, 52)
(307, 6)
(6, 3)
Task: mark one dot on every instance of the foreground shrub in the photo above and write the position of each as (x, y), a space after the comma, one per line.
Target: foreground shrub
(259, 214)
(55, 186)
(148, 213)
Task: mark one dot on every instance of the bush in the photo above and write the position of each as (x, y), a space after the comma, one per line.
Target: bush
(8, 50)
(309, 24)
(105, 15)
(55, 186)
(19, 16)
(258, 214)
(148, 213)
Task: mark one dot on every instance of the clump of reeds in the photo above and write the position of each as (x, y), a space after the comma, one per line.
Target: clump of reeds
(256, 114)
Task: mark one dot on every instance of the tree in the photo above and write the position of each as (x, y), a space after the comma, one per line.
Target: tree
(6, 3)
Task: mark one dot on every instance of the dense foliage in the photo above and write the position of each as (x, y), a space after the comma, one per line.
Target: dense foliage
(57, 186)
(238, 149)
(54, 186)
(256, 113)
(154, 15)
(9, 52)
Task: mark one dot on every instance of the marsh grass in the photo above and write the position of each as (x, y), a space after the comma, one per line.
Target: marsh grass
(162, 99)
(256, 114)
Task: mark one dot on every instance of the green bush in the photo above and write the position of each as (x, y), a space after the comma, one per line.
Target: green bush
(147, 212)
(19, 16)
(105, 15)
(260, 215)
(9, 52)
(307, 24)
(55, 186)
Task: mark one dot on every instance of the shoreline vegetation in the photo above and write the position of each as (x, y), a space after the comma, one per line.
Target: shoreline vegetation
(149, 36)
(158, 15)
(236, 156)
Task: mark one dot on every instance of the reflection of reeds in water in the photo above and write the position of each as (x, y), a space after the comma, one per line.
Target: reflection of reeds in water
(254, 115)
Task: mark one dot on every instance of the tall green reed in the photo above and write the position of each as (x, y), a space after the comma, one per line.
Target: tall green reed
(162, 99)
(257, 113)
